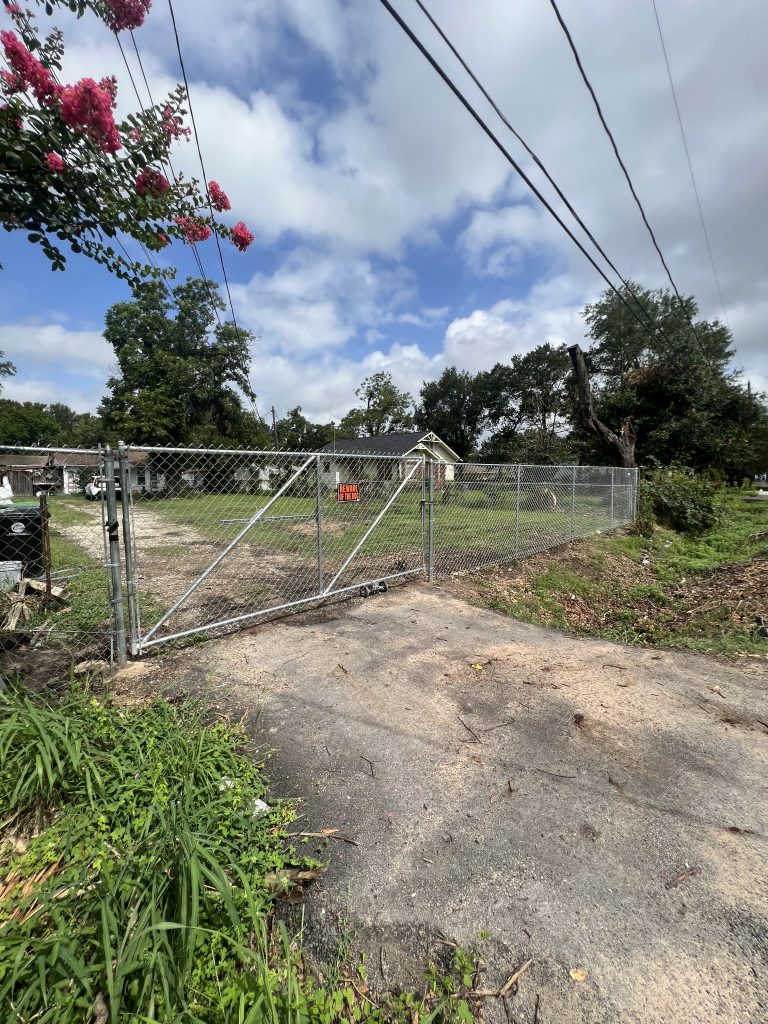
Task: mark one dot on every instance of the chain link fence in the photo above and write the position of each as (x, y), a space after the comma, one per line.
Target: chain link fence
(103, 554)
(485, 515)
(54, 573)
(223, 538)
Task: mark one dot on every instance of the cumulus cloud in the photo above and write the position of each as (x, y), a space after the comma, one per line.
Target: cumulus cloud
(332, 134)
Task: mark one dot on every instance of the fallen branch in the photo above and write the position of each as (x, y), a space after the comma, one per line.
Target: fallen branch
(499, 993)
(469, 729)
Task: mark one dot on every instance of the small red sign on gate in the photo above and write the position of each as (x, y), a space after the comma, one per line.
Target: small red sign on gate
(348, 492)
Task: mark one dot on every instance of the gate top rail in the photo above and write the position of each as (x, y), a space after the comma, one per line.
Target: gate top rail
(260, 451)
(56, 449)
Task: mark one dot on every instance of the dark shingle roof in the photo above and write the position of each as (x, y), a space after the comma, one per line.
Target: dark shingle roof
(384, 444)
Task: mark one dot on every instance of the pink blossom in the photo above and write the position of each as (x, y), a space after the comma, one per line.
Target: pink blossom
(162, 240)
(122, 14)
(219, 200)
(134, 135)
(193, 230)
(151, 181)
(26, 71)
(172, 125)
(13, 9)
(88, 106)
(54, 163)
(241, 236)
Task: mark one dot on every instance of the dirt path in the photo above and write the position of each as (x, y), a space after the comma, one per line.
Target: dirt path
(170, 556)
(586, 804)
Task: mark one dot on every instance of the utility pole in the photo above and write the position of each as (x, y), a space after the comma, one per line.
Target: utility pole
(274, 427)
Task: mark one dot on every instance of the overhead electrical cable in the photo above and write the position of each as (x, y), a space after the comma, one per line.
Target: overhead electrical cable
(508, 156)
(539, 163)
(200, 157)
(690, 165)
(630, 184)
(171, 173)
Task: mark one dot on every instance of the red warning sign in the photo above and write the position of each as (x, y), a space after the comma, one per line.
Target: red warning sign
(348, 492)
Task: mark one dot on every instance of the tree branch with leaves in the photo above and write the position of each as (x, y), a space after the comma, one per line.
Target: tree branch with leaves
(72, 176)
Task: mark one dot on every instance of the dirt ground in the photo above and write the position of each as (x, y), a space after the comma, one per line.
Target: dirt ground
(524, 792)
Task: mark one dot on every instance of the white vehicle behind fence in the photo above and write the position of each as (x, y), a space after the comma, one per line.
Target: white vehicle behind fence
(95, 489)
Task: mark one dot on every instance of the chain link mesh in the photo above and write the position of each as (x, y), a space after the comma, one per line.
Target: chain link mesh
(222, 538)
(54, 589)
(489, 514)
(213, 539)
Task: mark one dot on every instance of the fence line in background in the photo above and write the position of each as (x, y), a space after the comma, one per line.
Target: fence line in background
(210, 539)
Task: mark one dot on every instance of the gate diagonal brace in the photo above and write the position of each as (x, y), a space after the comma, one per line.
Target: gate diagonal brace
(232, 544)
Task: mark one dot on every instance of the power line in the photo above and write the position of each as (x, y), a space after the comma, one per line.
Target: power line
(200, 156)
(539, 163)
(623, 166)
(690, 165)
(505, 152)
(169, 170)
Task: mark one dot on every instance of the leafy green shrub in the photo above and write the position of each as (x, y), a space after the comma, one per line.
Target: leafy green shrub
(679, 499)
(144, 887)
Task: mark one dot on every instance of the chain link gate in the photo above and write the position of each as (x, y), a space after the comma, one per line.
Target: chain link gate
(214, 539)
(58, 562)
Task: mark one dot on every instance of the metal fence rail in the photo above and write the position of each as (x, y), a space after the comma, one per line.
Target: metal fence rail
(178, 542)
(490, 514)
(217, 539)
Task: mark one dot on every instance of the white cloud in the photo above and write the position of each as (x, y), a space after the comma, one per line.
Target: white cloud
(391, 156)
(318, 301)
(81, 352)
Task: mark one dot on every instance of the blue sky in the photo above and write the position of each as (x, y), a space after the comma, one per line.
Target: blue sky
(389, 232)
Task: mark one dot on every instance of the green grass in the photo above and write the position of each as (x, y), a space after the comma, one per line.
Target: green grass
(465, 523)
(140, 885)
(646, 590)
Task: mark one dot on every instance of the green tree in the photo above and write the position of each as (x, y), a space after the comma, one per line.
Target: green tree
(70, 174)
(453, 407)
(7, 369)
(684, 403)
(181, 374)
(295, 433)
(28, 423)
(384, 410)
(528, 406)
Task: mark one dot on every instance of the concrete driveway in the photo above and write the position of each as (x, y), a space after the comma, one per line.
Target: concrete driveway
(527, 793)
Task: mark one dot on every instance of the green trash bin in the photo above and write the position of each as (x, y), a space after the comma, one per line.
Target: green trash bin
(21, 537)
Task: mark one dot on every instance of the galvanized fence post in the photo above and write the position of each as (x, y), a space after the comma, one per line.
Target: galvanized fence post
(431, 471)
(423, 512)
(126, 498)
(613, 489)
(517, 516)
(320, 566)
(116, 593)
(573, 505)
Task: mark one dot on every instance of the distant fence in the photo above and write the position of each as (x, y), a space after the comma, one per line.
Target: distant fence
(181, 542)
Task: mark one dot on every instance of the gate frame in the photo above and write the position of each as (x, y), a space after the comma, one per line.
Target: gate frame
(139, 644)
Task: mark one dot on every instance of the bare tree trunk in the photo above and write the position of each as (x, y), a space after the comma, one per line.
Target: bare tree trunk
(622, 445)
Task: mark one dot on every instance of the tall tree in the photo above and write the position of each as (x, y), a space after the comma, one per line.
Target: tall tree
(384, 409)
(7, 369)
(181, 374)
(452, 406)
(672, 382)
(530, 396)
(295, 433)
